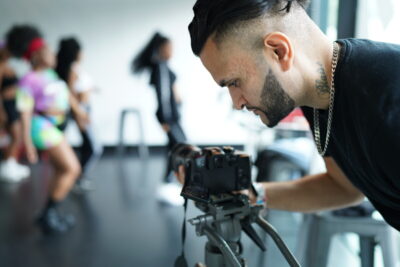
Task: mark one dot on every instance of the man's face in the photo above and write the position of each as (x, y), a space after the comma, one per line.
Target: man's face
(251, 83)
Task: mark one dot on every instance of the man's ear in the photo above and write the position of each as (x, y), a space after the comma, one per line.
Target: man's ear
(278, 46)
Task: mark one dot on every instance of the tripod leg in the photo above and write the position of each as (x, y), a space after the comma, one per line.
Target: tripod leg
(213, 256)
(226, 251)
(278, 241)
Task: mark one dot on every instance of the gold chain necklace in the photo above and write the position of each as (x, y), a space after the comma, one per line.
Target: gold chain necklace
(317, 133)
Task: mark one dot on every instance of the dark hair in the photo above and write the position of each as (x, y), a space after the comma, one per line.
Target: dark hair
(68, 52)
(149, 55)
(19, 37)
(220, 15)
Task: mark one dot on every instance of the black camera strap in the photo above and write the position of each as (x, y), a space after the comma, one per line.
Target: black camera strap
(181, 260)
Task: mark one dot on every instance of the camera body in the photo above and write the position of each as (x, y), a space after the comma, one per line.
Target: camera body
(211, 170)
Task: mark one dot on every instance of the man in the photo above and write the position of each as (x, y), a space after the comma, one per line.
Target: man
(272, 58)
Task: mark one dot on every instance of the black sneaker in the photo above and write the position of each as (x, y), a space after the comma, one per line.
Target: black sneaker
(51, 222)
(69, 219)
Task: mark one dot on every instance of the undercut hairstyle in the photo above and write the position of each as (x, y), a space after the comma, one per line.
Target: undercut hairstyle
(19, 37)
(149, 55)
(220, 17)
(68, 52)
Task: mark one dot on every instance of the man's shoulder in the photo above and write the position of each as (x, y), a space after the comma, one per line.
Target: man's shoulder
(369, 45)
(368, 69)
(370, 55)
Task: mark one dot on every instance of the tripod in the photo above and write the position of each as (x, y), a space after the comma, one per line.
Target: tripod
(226, 216)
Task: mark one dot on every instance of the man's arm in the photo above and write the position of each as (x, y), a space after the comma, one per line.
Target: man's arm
(323, 191)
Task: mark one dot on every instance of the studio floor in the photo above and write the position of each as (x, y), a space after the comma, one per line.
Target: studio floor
(122, 224)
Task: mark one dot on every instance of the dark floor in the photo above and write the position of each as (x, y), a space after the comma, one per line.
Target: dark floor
(120, 223)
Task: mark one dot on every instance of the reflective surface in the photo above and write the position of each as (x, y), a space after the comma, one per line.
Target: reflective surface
(121, 223)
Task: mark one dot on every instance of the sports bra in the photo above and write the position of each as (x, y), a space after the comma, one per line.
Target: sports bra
(8, 81)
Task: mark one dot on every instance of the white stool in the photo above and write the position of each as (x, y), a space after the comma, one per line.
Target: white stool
(143, 149)
(317, 231)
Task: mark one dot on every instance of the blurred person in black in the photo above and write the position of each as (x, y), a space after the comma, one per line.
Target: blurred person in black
(272, 58)
(69, 69)
(154, 58)
(10, 169)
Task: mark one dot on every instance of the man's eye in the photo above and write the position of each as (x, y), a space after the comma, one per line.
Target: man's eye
(235, 83)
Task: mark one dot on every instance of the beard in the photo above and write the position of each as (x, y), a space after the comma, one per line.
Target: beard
(275, 104)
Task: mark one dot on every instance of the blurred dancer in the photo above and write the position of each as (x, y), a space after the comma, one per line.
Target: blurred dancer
(10, 169)
(154, 58)
(81, 86)
(43, 100)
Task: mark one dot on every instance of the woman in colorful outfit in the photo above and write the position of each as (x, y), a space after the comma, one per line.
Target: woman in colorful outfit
(43, 100)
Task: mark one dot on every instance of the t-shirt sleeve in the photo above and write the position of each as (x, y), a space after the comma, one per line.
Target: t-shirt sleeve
(25, 100)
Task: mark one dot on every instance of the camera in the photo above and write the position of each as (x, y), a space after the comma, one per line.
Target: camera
(211, 170)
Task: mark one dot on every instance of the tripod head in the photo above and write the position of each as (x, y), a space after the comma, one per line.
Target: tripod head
(226, 215)
(228, 210)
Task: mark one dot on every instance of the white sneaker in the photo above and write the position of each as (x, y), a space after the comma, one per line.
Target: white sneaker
(24, 170)
(9, 172)
(82, 186)
(170, 193)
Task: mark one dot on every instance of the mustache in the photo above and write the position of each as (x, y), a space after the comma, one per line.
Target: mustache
(253, 108)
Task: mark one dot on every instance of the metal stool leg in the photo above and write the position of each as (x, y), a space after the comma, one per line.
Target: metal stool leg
(367, 249)
(143, 149)
(303, 240)
(314, 242)
(121, 145)
(388, 241)
(322, 242)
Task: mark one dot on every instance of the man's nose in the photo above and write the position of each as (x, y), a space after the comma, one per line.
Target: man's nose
(237, 99)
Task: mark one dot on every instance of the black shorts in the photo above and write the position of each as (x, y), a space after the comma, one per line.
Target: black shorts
(10, 106)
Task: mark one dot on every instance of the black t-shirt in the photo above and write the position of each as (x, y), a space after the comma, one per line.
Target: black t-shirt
(365, 133)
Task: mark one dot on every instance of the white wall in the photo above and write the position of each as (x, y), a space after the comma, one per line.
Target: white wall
(379, 20)
(112, 31)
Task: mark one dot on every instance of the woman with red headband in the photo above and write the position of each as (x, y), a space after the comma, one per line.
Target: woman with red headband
(43, 100)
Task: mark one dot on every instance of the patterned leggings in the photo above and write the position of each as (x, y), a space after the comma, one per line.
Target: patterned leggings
(44, 131)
